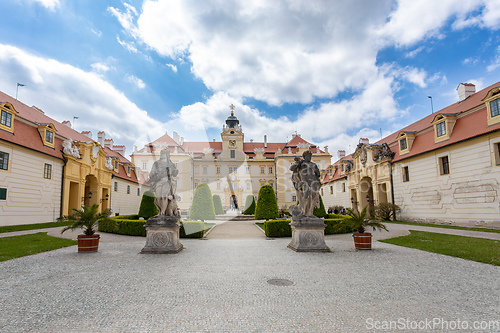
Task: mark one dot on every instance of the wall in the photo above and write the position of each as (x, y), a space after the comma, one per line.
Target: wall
(30, 197)
(338, 197)
(123, 203)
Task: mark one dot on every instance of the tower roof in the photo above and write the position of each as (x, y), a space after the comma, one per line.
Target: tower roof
(232, 121)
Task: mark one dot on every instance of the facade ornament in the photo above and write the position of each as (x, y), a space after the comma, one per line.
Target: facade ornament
(207, 151)
(95, 151)
(289, 150)
(303, 145)
(175, 150)
(383, 153)
(109, 163)
(349, 165)
(70, 149)
(279, 151)
(361, 151)
(259, 150)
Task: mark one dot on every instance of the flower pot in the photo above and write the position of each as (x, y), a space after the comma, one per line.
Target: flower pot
(362, 241)
(88, 243)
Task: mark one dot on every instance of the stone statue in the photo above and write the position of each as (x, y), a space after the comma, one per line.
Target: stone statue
(70, 149)
(161, 179)
(109, 163)
(383, 153)
(305, 178)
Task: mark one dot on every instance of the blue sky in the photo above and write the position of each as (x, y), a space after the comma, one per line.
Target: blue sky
(333, 71)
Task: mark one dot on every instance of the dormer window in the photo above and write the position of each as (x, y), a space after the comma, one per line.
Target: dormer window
(492, 101)
(403, 145)
(406, 141)
(7, 115)
(441, 129)
(443, 126)
(47, 134)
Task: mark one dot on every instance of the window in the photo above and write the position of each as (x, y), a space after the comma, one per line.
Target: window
(232, 169)
(497, 153)
(204, 169)
(262, 170)
(4, 161)
(444, 165)
(144, 165)
(406, 174)
(262, 184)
(3, 194)
(233, 153)
(331, 189)
(343, 187)
(441, 129)
(128, 189)
(342, 167)
(270, 170)
(494, 107)
(116, 164)
(195, 185)
(138, 192)
(47, 171)
(6, 119)
(49, 137)
(248, 186)
(218, 186)
(128, 169)
(247, 169)
(218, 170)
(403, 144)
(322, 192)
(116, 187)
(294, 198)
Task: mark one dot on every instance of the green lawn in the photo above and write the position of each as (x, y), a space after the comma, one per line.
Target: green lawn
(22, 227)
(25, 245)
(446, 226)
(476, 249)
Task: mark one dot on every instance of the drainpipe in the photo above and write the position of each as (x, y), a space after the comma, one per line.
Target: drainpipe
(65, 160)
(392, 191)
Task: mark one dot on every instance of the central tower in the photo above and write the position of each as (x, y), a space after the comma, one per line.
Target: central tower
(232, 136)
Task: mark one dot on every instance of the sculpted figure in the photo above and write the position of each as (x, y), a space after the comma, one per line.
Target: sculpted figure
(163, 184)
(305, 178)
(70, 149)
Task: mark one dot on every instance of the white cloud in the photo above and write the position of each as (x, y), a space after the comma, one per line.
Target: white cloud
(95, 101)
(413, 54)
(129, 46)
(126, 18)
(99, 67)
(50, 4)
(135, 81)
(496, 61)
(173, 67)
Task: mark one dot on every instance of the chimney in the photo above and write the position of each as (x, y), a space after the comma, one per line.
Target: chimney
(108, 143)
(265, 141)
(100, 137)
(213, 140)
(181, 143)
(67, 123)
(341, 154)
(465, 90)
(176, 137)
(364, 140)
(120, 149)
(88, 134)
(326, 150)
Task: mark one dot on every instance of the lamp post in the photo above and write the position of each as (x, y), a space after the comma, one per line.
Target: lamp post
(432, 106)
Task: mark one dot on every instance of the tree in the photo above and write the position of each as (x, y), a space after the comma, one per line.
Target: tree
(320, 212)
(217, 205)
(148, 207)
(249, 205)
(202, 207)
(267, 206)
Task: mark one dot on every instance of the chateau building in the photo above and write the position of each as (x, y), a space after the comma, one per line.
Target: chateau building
(47, 168)
(233, 168)
(444, 168)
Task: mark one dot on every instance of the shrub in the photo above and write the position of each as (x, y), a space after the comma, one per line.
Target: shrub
(126, 217)
(148, 208)
(202, 207)
(331, 226)
(217, 205)
(386, 211)
(249, 205)
(334, 216)
(188, 229)
(320, 212)
(267, 207)
(278, 228)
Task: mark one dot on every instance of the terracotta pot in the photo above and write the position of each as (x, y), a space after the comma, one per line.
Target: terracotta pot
(88, 243)
(362, 241)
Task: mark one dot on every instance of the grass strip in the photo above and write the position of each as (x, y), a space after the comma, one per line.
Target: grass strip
(444, 226)
(22, 227)
(470, 248)
(25, 245)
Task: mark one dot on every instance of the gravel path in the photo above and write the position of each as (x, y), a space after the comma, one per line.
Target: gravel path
(221, 285)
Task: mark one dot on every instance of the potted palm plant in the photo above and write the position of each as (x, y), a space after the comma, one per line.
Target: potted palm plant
(86, 219)
(358, 222)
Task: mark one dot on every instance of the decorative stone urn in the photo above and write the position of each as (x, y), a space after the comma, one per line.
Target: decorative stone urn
(162, 235)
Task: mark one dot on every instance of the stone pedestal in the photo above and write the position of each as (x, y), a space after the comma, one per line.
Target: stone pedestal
(162, 235)
(308, 234)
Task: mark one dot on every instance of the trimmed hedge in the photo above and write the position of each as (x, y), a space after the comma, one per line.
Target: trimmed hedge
(126, 217)
(217, 205)
(249, 205)
(189, 229)
(267, 206)
(202, 207)
(282, 228)
(148, 208)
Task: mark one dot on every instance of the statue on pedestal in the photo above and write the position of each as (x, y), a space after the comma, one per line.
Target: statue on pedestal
(163, 184)
(305, 178)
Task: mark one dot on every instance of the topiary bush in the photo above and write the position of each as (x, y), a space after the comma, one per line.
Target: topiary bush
(148, 208)
(320, 212)
(278, 228)
(192, 229)
(249, 205)
(202, 207)
(217, 205)
(267, 206)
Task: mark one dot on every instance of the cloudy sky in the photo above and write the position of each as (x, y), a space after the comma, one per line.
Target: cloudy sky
(333, 71)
